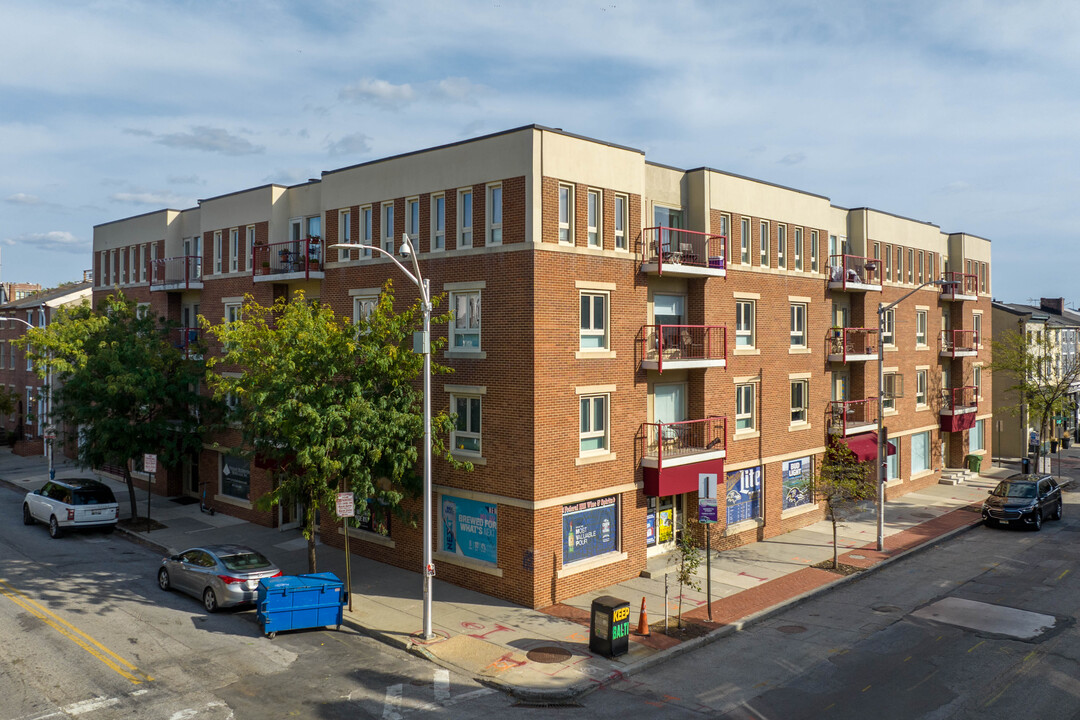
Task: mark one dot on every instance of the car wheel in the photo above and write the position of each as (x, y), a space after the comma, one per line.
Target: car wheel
(1057, 511)
(209, 600)
(54, 528)
(163, 579)
(1036, 523)
(27, 518)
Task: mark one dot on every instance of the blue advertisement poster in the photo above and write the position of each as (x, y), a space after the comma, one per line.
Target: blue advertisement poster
(470, 529)
(796, 482)
(743, 495)
(590, 528)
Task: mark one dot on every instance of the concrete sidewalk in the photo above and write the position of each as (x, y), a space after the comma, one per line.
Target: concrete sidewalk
(491, 639)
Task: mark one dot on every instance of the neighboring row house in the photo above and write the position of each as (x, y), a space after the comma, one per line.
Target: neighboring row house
(621, 327)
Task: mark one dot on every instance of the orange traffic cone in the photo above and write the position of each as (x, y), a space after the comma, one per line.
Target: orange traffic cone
(643, 620)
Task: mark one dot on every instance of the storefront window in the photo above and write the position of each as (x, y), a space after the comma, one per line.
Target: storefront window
(743, 495)
(797, 489)
(235, 477)
(590, 528)
(373, 517)
(470, 529)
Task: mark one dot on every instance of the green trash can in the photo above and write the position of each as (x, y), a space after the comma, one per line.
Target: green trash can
(974, 462)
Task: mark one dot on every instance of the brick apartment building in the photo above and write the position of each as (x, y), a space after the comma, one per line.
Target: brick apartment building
(641, 324)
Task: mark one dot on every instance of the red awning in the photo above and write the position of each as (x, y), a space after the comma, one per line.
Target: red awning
(679, 479)
(864, 445)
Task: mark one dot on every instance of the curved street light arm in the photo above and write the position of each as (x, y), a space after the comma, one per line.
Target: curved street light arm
(413, 276)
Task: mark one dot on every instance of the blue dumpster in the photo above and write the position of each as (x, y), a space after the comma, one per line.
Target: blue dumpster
(293, 602)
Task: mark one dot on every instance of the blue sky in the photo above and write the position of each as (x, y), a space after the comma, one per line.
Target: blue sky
(957, 113)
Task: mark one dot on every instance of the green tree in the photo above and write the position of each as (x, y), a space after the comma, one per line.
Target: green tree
(687, 559)
(328, 405)
(123, 383)
(842, 482)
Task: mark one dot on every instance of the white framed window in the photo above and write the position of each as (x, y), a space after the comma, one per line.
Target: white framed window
(367, 234)
(124, 265)
(798, 325)
(800, 392)
(344, 231)
(234, 250)
(920, 327)
(217, 251)
(363, 307)
(781, 246)
(465, 437)
(899, 264)
(465, 325)
(465, 218)
(744, 323)
(725, 232)
(593, 430)
(438, 222)
(888, 324)
(798, 249)
(910, 266)
(975, 437)
(232, 312)
(744, 241)
(763, 242)
(888, 263)
(593, 218)
(888, 399)
(919, 267)
(103, 270)
(494, 214)
(976, 380)
(412, 222)
(248, 247)
(622, 204)
(594, 320)
(29, 405)
(142, 263)
(920, 452)
(566, 214)
(813, 251)
(744, 407)
(977, 327)
(388, 227)
(920, 387)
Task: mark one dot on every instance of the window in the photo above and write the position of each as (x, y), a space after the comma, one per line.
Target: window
(234, 476)
(743, 495)
(412, 222)
(566, 214)
(363, 307)
(888, 263)
(798, 249)
(344, 234)
(781, 246)
(367, 236)
(799, 394)
(982, 276)
(621, 222)
(920, 387)
(899, 264)
(388, 227)
(103, 273)
(593, 218)
(920, 327)
(142, 263)
(744, 240)
(465, 218)
(594, 321)
(977, 326)
(725, 231)
(744, 407)
(465, 437)
(250, 244)
(217, 251)
(593, 436)
(763, 242)
(888, 399)
(798, 325)
(3, 352)
(888, 324)
(920, 452)
(465, 327)
(976, 380)
(910, 266)
(123, 265)
(744, 323)
(438, 222)
(153, 261)
(234, 250)
(975, 437)
(892, 462)
(919, 268)
(813, 251)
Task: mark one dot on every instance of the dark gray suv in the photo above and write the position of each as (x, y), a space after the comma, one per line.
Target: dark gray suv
(1023, 501)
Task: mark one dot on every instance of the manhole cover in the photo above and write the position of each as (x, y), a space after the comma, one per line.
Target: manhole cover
(885, 609)
(548, 655)
(923, 515)
(853, 556)
(791, 629)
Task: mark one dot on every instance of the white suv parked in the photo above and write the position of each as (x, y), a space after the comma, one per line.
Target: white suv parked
(70, 504)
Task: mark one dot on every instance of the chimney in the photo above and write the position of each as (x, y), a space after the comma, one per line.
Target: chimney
(1054, 306)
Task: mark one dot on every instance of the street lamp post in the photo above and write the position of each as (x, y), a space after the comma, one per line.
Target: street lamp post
(421, 283)
(881, 447)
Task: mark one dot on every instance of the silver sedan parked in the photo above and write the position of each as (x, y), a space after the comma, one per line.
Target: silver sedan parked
(220, 575)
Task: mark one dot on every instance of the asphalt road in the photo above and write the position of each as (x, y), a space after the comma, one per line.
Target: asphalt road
(85, 633)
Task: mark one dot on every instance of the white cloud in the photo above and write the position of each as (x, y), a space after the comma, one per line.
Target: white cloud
(379, 92)
(157, 199)
(355, 144)
(23, 199)
(458, 89)
(210, 139)
(56, 241)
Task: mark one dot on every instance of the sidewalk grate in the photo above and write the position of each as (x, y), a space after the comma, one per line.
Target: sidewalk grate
(549, 655)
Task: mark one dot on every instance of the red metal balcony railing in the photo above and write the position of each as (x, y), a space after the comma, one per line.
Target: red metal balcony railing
(682, 439)
(849, 416)
(851, 343)
(683, 343)
(297, 256)
(179, 272)
(675, 246)
(959, 400)
(188, 341)
(965, 284)
(959, 342)
(848, 270)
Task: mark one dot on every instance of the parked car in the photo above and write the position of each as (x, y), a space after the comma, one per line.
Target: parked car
(219, 575)
(72, 503)
(1023, 501)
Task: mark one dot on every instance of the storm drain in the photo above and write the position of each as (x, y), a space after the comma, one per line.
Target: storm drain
(548, 655)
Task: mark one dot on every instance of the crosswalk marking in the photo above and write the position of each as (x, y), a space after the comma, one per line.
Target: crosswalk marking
(442, 685)
(392, 702)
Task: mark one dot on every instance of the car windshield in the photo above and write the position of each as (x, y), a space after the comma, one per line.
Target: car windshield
(245, 562)
(1015, 490)
(93, 496)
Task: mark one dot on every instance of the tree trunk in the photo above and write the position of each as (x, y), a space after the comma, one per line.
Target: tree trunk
(131, 491)
(309, 513)
(835, 549)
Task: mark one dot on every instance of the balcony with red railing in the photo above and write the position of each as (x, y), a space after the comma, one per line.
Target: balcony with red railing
(854, 273)
(673, 454)
(958, 408)
(961, 286)
(683, 346)
(684, 253)
(959, 343)
(850, 417)
(176, 273)
(294, 260)
(188, 341)
(851, 344)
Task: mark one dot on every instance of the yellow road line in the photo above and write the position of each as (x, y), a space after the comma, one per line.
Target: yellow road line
(111, 660)
(1063, 574)
(976, 645)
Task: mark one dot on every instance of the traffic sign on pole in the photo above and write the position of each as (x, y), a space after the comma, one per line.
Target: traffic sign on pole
(346, 505)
